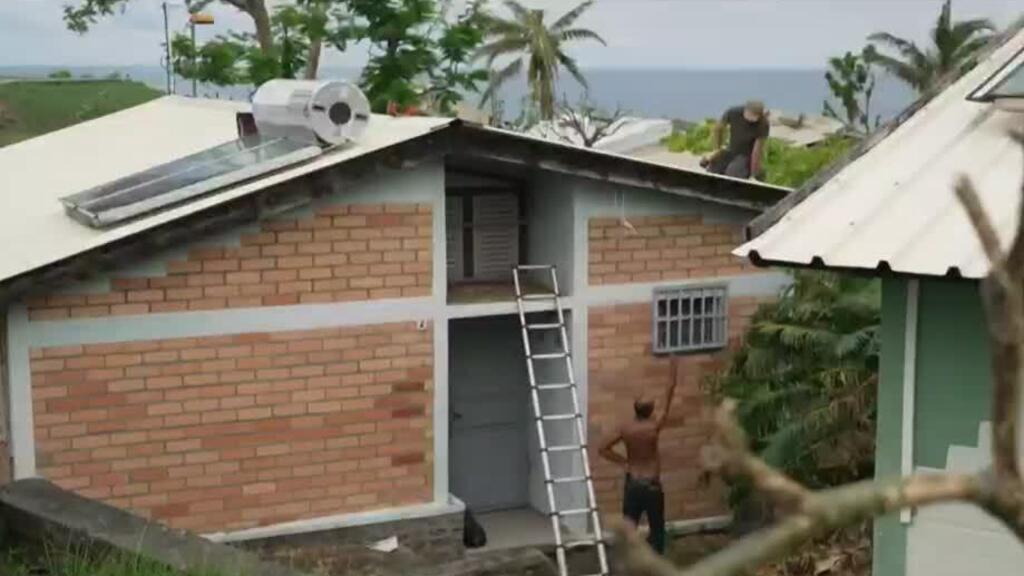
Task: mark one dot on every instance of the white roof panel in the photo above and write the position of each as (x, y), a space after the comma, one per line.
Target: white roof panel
(36, 173)
(895, 205)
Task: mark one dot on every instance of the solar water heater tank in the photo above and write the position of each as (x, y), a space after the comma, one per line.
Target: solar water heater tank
(317, 111)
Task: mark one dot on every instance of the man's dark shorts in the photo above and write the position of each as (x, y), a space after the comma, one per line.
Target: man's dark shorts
(730, 164)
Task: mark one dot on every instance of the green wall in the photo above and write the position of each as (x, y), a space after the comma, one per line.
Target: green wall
(951, 395)
(890, 536)
(953, 370)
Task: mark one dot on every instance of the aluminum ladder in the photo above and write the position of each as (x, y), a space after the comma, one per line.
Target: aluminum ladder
(544, 390)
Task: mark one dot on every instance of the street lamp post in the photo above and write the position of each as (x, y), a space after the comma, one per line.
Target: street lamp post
(197, 19)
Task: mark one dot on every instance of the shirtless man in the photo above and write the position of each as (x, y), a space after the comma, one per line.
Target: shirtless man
(643, 493)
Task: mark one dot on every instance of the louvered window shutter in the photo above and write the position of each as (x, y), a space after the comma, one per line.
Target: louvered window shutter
(495, 236)
(453, 238)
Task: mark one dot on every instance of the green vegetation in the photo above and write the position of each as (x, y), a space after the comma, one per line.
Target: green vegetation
(81, 561)
(537, 47)
(28, 109)
(852, 82)
(806, 375)
(784, 164)
(955, 48)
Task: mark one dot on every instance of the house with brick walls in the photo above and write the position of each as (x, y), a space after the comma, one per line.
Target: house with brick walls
(335, 344)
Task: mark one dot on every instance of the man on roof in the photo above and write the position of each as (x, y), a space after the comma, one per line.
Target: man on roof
(748, 135)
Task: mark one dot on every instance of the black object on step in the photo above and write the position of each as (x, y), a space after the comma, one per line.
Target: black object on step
(473, 534)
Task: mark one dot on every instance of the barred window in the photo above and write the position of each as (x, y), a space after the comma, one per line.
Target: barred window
(688, 319)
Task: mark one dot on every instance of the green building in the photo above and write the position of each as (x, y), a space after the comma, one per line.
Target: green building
(891, 212)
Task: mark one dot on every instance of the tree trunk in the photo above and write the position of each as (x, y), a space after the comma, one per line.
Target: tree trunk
(261, 18)
(313, 59)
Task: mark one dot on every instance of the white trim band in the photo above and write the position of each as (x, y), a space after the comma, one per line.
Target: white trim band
(228, 321)
(909, 386)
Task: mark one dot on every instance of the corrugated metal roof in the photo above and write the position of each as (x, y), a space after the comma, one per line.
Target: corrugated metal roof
(36, 173)
(894, 207)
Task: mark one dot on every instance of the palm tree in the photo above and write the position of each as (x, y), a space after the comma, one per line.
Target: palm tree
(955, 46)
(528, 37)
(805, 378)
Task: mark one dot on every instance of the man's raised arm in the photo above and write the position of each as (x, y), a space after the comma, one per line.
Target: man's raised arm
(670, 393)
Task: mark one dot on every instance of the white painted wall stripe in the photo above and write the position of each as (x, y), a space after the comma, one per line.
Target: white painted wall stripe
(19, 382)
(230, 321)
(748, 285)
(441, 410)
(909, 387)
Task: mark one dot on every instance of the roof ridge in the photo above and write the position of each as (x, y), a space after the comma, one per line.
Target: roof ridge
(772, 215)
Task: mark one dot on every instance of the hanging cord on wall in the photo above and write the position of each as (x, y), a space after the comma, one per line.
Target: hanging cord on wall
(620, 201)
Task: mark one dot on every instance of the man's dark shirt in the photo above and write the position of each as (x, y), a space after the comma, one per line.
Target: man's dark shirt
(742, 132)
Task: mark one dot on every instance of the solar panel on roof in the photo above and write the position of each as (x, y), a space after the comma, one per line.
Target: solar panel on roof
(185, 179)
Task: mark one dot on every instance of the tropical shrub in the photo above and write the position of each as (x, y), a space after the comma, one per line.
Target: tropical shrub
(805, 378)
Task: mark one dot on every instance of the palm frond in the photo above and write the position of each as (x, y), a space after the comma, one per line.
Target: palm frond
(967, 29)
(495, 26)
(499, 78)
(580, 34)
(900, 69)
(500, 47)
(903, 46)
(520, 12)
(797, 336)
(859, 341)
(571, 16)
(570, 65)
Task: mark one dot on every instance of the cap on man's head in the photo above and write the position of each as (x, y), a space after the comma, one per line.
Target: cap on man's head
(754, 108)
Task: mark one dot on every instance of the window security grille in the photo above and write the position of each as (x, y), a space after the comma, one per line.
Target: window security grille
(690, 319)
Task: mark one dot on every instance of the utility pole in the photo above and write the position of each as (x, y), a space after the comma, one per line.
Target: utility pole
(192, 24)
(202, 20)
(168, 64)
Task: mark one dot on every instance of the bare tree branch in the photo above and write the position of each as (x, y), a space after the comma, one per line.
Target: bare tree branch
(729, 454)
(1003, 295)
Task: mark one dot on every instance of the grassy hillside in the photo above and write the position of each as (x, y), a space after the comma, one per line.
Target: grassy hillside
(28, 108)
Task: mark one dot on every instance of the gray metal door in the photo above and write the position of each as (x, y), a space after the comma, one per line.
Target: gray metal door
(488, 401)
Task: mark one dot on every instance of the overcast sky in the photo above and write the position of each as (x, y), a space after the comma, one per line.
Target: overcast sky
(640, 33)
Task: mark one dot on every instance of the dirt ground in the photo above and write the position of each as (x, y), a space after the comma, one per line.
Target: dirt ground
(846, 553)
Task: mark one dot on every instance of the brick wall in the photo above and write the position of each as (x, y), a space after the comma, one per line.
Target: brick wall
(663, 248)
(232, 432)
(621, 365)
(341, 253)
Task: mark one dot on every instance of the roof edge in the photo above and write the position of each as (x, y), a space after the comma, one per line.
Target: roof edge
(773, 215)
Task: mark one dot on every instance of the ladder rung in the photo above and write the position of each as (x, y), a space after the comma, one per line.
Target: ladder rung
(552, 356)
(562, 386)
(552, 417)
(566, 448)
(573, 512)
(543, 326)
(534, 267)
(568, 480)
(546, 296)
(582, 543)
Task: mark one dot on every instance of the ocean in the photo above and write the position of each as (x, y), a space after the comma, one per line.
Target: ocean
(688, 94)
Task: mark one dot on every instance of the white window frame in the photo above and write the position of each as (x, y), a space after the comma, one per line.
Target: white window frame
(688, 319)
(988, 90)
